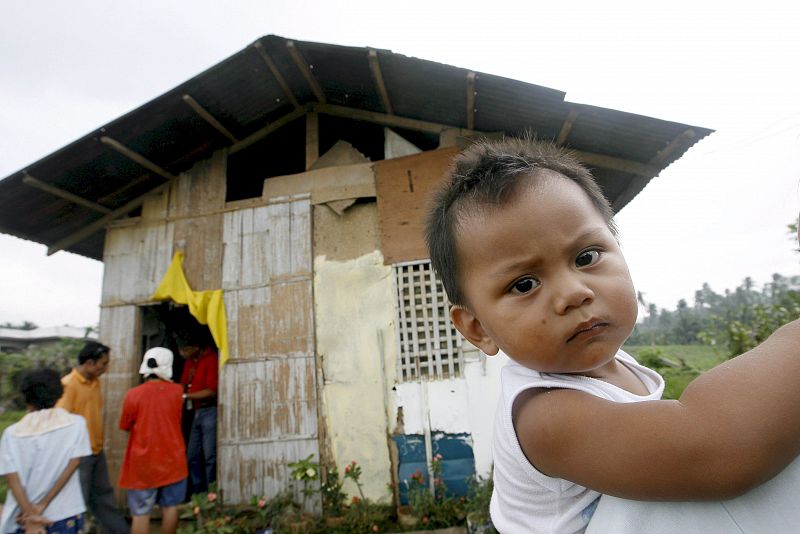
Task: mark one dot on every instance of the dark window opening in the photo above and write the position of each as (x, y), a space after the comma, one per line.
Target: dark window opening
(161, 322)
(280, 153)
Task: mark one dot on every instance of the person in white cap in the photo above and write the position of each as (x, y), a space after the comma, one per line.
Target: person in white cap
(154, 469)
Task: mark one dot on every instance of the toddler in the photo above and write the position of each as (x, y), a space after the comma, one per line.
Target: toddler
(524, 242)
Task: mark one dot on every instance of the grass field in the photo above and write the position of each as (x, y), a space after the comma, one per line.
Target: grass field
(6, 419)
(694, 359)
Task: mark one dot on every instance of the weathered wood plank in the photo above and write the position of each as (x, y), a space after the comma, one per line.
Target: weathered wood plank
(403, 186)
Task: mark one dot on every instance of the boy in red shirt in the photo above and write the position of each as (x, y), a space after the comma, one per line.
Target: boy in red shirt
(154, 468)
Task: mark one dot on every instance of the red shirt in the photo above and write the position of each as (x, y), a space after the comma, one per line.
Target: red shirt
(201, 374)
(156, 454)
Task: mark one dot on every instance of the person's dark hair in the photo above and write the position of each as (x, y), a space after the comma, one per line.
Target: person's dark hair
(41, 388)
(92, 350)
(486, 175)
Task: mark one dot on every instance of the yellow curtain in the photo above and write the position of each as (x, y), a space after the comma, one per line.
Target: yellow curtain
(205, 306)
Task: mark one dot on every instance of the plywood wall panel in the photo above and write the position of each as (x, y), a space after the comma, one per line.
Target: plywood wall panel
(201, 240)
(118, 329)
(268, 399)
(403, 186)
(274, 320)
(261, 468)
(135, 259)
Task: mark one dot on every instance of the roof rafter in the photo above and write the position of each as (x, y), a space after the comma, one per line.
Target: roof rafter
(305, 69)
(617, 164)
(680, 141)
(66, 195)
(471, 100)
(387, 120)
(93, 227)
(567, 126)
(377, 75)
(136, 157)
(273, 68)
(208, 117)
(126, 208)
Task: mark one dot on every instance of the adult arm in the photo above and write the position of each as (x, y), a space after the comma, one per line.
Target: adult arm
(202, 394)
(733, 428)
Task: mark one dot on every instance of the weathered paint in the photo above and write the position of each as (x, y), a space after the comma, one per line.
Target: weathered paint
(457, 463)
(355, 308)
(457, 406)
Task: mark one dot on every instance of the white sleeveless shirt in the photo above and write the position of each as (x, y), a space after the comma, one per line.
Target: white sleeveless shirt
(526, 500)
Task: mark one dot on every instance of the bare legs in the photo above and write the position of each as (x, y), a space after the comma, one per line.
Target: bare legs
(169, 522)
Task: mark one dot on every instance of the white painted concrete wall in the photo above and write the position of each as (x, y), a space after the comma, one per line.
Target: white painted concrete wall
(462, 405)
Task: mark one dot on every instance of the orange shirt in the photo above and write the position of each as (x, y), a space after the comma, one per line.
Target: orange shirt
(156, 455)
(84, 397)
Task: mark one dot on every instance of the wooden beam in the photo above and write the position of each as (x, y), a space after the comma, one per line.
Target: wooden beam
(66, 195)
(312, 139)
(680, 141)
(471, 100)
(617, 164)
(209, 118)
(273, 68)
(377, 76)
(264, 132)
(97, 225)
(305, 69)
(384, 119)
(135, 156)
(567, 127)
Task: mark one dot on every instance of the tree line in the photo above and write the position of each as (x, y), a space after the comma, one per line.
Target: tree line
(735, 321)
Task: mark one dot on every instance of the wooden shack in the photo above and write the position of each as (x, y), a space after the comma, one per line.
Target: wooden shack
(293, 176)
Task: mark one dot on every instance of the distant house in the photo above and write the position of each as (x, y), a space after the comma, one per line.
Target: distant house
(293, 176)
(16, 340)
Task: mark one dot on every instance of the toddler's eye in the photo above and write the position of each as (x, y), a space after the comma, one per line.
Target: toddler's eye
(525, 285)
(587, 257)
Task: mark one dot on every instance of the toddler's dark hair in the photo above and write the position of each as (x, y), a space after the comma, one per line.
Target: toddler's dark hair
(41, 388)
(487, 174)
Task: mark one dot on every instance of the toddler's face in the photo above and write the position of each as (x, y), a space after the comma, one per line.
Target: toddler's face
(545, 281)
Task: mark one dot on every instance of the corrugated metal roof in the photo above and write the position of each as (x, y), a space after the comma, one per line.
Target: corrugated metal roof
(244, 95)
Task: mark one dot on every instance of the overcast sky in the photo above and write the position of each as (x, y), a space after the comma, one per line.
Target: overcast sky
(717, 215)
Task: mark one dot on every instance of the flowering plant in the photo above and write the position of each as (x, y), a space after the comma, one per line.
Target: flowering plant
(353, 472)
(434, 509)
(308, 472)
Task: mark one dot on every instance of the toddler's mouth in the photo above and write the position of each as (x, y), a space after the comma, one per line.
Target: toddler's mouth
(588, 329)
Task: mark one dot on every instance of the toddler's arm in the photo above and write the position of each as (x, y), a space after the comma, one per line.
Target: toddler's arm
(733, 428)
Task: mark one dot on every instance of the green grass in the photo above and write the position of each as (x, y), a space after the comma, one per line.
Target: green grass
(6, 419)
(694, 359)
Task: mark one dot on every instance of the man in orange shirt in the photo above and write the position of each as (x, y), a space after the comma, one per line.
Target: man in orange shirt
(83, 396)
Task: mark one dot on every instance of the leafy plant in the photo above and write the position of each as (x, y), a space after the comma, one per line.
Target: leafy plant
(307, 472)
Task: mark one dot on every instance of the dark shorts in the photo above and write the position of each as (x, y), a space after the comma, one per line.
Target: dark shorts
(70, 525)
(141, 502)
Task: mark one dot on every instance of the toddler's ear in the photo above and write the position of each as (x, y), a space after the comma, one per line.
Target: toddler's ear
(472, 329)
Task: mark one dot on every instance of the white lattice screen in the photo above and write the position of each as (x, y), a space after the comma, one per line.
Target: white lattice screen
(430, 346)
